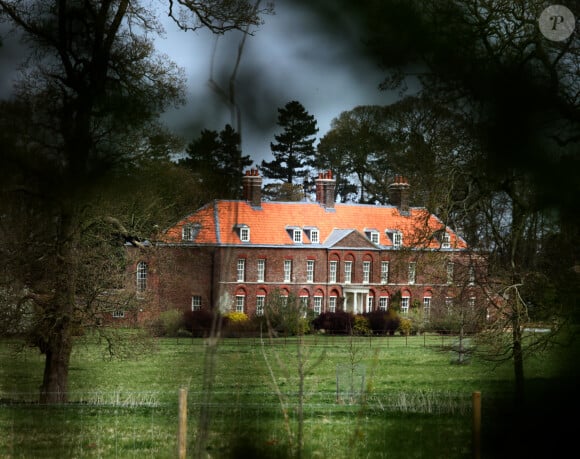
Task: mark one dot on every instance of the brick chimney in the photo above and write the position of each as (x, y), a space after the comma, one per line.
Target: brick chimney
(325, 186)
(399, 193)
(252, 187)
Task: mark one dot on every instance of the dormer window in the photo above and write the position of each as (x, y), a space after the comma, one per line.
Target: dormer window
(396, 238)
(372, 235)
(189, 231)
(313, 234)
(243, 232)
(444, 239)
(295, 233)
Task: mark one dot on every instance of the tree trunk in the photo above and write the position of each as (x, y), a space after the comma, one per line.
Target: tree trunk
(518, 359)
(58, 322)
(54, 388)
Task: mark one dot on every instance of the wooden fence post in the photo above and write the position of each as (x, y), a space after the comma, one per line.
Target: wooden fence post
(476, 425)
(182, 429)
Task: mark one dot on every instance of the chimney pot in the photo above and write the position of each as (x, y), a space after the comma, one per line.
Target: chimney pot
(252, 187)
(399, 193)
(325, 186)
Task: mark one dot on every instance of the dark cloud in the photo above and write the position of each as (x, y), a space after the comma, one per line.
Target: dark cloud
(304, 52)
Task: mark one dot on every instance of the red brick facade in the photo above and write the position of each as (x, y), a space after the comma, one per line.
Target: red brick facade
(233, 254)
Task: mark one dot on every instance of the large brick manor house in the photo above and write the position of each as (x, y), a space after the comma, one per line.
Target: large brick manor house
(232, 254)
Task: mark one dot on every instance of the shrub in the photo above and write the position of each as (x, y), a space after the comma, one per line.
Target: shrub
(167, 324)
(236, 317)
(405, 326)
(199, 322)
(339, 322)
(381, 322)
(361, 325)
(287, 314)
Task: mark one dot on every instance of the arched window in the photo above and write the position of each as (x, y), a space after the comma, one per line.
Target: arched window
(141, 276)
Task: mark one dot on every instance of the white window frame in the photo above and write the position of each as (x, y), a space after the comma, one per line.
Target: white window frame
(240, 303)
(347, 272)
(383, 303)
(405, 302)
(118, 314)
(332, 301)
(314, 236)
(245, 234)
(260, 303)
(304, 300)
(449, 304)
(412, 272)
(397, 239)
(332, 271)
(426, 306)
(374, 237)
(261, 270)
(297, 236)
(310, 271)
(195, 302)
(317, 304)
(241, 270)
(187, 233)
(471, 275)
(142, 274)
(366, 267)
(445, 240)
(370, 303)
(287, 270)
(384, 272)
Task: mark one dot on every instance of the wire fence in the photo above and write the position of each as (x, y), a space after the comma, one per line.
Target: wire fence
(145, 424)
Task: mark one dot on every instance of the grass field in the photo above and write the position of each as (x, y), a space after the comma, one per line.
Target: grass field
(395, 397)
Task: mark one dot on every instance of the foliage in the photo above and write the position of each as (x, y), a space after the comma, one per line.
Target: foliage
(217, 161)
(84, 114)
(339, 322)
(167, 324)
(381, 322)
(286, 314)
(284, 192)
(361, 325)
(236, 317)
(405, 326)
(199, 322)
(294, 150)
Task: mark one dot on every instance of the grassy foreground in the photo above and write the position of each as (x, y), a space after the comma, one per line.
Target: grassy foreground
(374, 397)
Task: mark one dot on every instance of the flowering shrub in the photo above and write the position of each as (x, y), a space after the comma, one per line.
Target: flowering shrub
(236, 317)
(361, 326)
(405, 326)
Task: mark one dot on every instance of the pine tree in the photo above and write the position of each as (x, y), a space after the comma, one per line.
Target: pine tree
(294, 151)
(217, 160)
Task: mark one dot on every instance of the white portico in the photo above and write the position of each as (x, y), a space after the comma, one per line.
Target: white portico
(356, 300)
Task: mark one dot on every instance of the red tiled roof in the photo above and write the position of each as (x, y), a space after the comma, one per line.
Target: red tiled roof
(219, 222)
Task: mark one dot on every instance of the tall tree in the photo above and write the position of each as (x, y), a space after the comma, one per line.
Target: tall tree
(217, 160)
(490, 59)
(355, 140)
(294, 150)
(86, 106)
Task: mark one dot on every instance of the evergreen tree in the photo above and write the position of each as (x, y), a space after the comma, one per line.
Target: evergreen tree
(217, 160)
(294, 151)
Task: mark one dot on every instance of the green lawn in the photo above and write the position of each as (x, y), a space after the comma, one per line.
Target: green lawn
(398, 397)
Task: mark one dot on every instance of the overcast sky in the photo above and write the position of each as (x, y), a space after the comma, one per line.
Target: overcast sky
(290, 57)
(297, 54)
